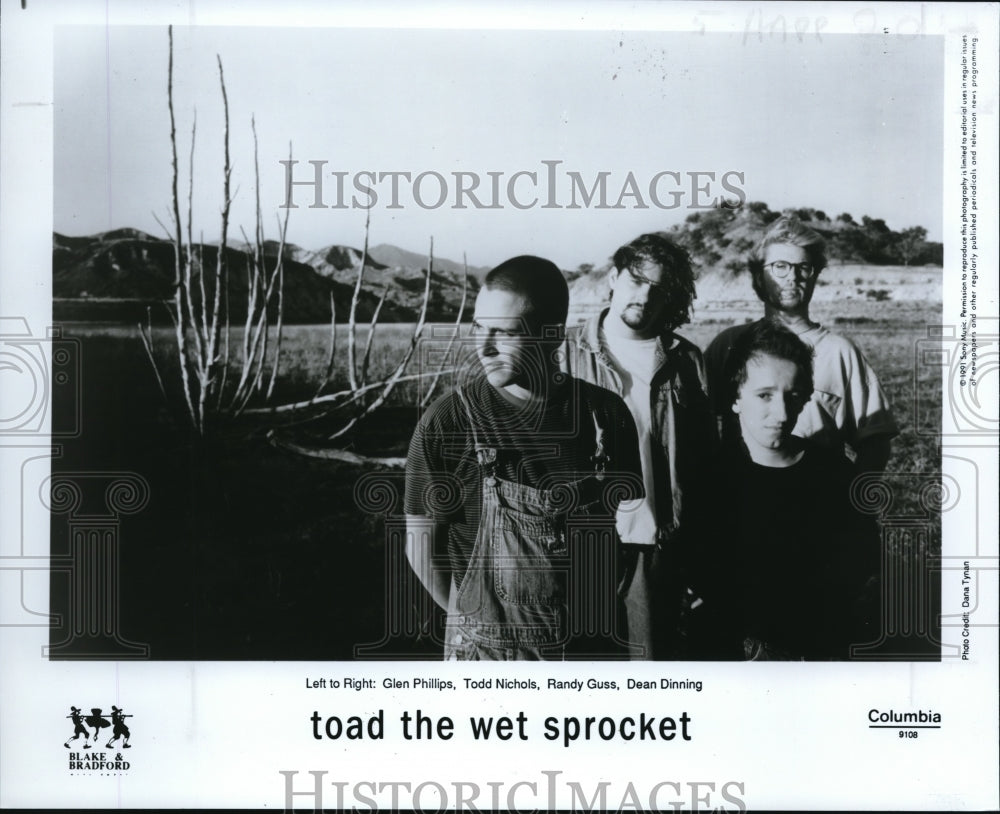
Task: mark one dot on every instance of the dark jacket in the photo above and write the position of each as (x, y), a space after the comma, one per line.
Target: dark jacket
(681, 419)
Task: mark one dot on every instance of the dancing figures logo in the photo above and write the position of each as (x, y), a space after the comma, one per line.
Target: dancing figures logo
(90, 762)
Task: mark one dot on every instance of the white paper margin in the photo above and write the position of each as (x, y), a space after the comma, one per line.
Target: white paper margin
(794, 736)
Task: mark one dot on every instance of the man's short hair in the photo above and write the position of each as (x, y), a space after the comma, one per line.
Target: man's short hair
(678, 275)
(788, 230)
(540, 281)
(767, 338)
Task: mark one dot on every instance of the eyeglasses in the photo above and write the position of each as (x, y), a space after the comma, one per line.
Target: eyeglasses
(782, 268)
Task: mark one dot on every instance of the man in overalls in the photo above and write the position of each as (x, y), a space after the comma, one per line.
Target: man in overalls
(512, 484)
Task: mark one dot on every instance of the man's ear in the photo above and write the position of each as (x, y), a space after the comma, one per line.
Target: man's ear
(736, 408)
(613, 277)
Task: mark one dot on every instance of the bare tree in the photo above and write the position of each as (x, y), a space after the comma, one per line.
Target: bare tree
(201, 325)
(366, 397)
(215, 385)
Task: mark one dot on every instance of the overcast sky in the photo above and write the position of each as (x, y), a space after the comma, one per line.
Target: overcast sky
(847, 123)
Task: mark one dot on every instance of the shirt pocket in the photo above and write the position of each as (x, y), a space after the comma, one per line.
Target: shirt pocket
(530, 559)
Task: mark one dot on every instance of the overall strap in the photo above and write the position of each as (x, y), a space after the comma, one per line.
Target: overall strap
(487, 456)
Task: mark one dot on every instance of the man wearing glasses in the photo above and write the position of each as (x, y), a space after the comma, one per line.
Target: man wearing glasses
(848, 410)
(631, 349)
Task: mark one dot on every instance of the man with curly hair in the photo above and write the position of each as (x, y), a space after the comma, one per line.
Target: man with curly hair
(631, 348)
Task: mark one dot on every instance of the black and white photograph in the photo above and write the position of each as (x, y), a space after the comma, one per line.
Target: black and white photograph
(270, 469)
(637, 344)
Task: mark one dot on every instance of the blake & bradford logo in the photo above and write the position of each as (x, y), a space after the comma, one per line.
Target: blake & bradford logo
(118, 738)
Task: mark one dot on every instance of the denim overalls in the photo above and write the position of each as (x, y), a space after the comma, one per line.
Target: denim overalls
(513, 601)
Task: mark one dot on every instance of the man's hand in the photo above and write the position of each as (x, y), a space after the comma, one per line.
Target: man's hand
(425, 539)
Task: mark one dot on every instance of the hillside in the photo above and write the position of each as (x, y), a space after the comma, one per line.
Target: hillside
(721, 238)
(394, 256)
(117, 275)
(719, 241)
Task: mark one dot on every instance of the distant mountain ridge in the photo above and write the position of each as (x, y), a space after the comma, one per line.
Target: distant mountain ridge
(128, 265)
(721, 238)
(119, 273)
(390, 255)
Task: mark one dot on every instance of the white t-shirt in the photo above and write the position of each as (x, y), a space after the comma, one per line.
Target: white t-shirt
(635, 362)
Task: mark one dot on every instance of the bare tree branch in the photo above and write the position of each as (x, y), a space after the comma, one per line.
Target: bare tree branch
(192, 311)
(262, 325)
(166, 231)
(451, 342)
(371, 336)
(221, 261)
(283, 230)
(344, 396)
(391, 382)
(223, 283)
(245, 362)
(331, 454)
(352, 361)
(202, 321)
(333, 347)
(147, 343)
(178, 242)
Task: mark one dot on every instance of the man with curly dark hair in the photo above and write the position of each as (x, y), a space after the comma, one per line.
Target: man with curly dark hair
(631, 348)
